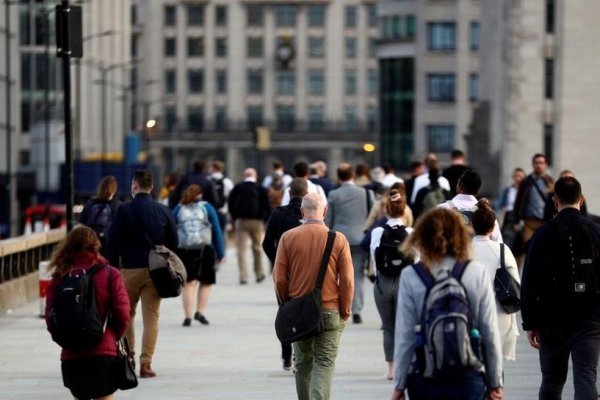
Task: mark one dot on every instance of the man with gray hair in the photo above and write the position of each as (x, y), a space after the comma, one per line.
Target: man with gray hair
(297, 265)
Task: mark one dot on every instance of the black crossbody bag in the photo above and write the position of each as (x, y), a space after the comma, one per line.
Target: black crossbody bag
(508, 290)
(300, 318)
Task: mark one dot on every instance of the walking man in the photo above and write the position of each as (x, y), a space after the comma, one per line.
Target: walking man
(134, 226)
(249, 208)
(296, 268)
(560, 297)
(349, 207)
(301, 170)
(199, 177)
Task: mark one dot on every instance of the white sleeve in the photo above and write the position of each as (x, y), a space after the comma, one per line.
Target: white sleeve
(375, 241)
(285, 200)
(444, 183)
(496, 234)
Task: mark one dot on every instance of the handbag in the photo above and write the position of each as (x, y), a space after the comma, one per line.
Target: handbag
(125, 373)
(167, 271)
(300, 318)
(507, 288)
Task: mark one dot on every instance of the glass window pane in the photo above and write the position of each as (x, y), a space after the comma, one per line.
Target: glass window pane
(170, 118)
(441, 87)
(316, 15)
(170, 16)
(350, 119)
(255, 47)
(286, 15)
(316, 118)
(195, 81)
(255, 82)
(255, 15)
(372, 81)
(221, 47)
(221, 15)
(286, 83)
(316, 46)
(170, 81)
(350, 47)
(351, 17)
(195, 118)
(221, 81)
(285, 118)
(442, 36)
(316, 82)
(195, 15)
(474, 87)
(440, 137)
(350, 82)
(170, 47)
(221, 119)
(475, 32)
(195, 47)
(255, 116)
(372, 15)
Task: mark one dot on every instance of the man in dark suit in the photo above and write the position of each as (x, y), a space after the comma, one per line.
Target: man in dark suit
(135, 225)
(200, 177)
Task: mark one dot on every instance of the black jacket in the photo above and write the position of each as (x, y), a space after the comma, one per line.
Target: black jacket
(282, 219)
(206, 183)
(127, 241)
(542, 305)
(249, 200)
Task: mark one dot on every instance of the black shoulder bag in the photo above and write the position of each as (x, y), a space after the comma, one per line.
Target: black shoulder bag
(300, 318)
(508, 290)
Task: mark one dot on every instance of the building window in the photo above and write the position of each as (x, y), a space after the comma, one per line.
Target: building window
(255, 47)
(255, 15)
(398, 27)
(549, 78)
(255, 82)
(170, 15)
(286, 83)
(316, 46)
(221, 119)
(372, 81)
(285, 118)
(170, 47)
(316, 16)
(221, 81)
(440, 137)
(350, 82)
(195, 14)
(474, 87)
(195, 81)
(372, 48)
(549, 143)
(371, 118)
(351, 17)
(221, 47)
(170, 81)
(195, 47)
(255, 116)
(195, 118)
(372, 15)
(286, 15)
(316, 118)
(170, 118)
(474, 35)
(442, 36)
(441, 87)
(550, 15)
(316, 82)
(350, 47)
(221, 16)
(350, 120)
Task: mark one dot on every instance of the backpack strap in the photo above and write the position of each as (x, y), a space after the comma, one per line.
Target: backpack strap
(425, 276)
(502, 263)
(325, 260)
(459, 269)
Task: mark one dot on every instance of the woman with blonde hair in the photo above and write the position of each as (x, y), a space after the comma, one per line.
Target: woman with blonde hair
(389, 261)
(90, 373)
(488, 252)
(443, 243)
(201, 245)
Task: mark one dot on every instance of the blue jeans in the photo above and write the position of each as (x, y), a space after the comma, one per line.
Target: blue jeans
(470, 387)
(583, 346)
(315, 359)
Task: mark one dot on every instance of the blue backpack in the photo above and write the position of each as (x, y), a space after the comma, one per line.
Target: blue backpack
(448, 343)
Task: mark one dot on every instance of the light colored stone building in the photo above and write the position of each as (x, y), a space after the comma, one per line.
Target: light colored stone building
(305, 70)
(429, 60)
(539, 89)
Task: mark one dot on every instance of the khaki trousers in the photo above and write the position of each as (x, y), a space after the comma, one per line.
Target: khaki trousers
(140, 286)
(255, 229)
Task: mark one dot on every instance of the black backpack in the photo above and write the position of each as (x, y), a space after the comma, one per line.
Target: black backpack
(389, 260)
(99, 219)
(74, 322)
(220, 189)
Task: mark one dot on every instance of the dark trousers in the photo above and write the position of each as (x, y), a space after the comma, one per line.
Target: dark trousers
(470, 387)
(557, 345)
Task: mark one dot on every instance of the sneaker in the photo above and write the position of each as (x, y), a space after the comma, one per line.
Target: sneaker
(201, 318)
(287, 364)
(187, 322)
(356, 318)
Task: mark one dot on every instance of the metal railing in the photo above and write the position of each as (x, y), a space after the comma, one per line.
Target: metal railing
(21, 255)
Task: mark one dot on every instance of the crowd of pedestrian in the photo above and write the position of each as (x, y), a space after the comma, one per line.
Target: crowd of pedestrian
(431, 245)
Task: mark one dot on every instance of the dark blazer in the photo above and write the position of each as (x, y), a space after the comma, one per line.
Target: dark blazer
(206, 183)
(244, 190)
(282, 219)
(126, 237)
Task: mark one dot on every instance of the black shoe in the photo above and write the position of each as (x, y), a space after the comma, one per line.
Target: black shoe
(260, 279)
(187, 322)
(287, 364)
(200, 318)
(357, 319)
(243, 282)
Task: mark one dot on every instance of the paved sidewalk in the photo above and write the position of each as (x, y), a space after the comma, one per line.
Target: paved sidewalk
(236, 356)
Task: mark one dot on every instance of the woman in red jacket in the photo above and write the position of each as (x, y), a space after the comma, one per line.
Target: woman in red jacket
(90, 374)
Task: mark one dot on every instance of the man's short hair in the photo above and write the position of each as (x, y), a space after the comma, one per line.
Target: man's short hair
(538, 155)
(388, 168)
(277, 164)
(218, 165)
(143, 178)
(345, 172)
(301, 169)
(313, 202)
(470, 182)
(567, 190)
(456, 153)
(199, 166)
(298, 187)
(433, 163)
(414, 165)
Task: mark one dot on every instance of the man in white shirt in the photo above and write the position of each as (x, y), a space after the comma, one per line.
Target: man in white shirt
(301, 171)
(422, 181)
(467, 188)
(279, 171)
(390, 177)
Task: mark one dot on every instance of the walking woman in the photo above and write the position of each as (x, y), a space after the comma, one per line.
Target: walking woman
(388, 260)
(487, 252)
(442, 241)
(201, 246)
(91, 374)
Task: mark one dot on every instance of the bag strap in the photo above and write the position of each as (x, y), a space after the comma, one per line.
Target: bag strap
(544, 197)
(369, 205)
(502, 264)
(325, 259)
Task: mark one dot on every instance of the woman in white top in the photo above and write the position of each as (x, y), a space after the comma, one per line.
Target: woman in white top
(487, 252)
(387, 259)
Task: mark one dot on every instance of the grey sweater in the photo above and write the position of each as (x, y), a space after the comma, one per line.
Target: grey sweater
(481, 297)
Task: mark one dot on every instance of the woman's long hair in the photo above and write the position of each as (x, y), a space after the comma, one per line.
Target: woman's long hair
(395, 202)
(106, 188)
(440, 232)
(483, 219)
(190, 194)
(79, 241)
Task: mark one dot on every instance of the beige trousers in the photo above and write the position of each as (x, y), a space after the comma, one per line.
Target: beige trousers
(255, 230)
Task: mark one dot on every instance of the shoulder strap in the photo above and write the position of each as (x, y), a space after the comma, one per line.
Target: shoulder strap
(544, 197)
(502, 264)
(424, 275)
(368, 201)
(459, 269)
(325, 259)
